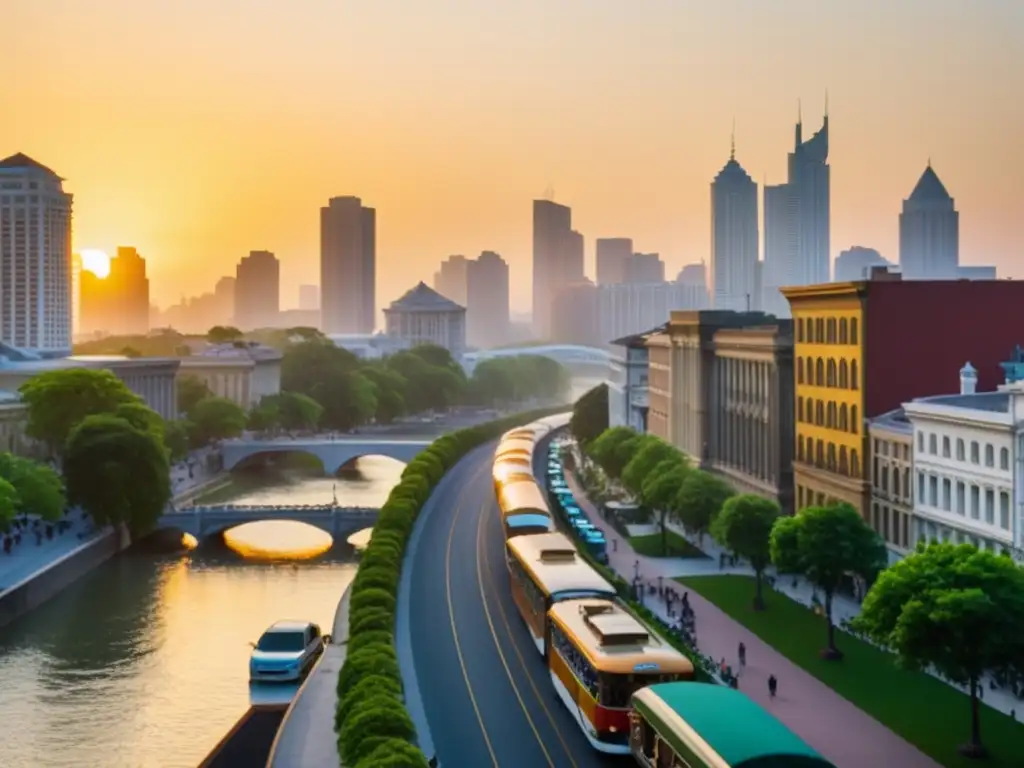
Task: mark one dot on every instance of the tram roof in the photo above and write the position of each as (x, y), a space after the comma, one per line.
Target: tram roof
(615, 640)
(722, 726)
(520, 496)
(509, 466)
(555, 565)
(506, 447)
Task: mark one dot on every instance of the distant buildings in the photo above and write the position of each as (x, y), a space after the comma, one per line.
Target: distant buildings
(257, 291)
(856, 263)
(35, 261)
(627, 390)
(309, 298)
(118, 304)
(929, 232)
(243, 373)
(487, 301)
(369, 346)
(734, 242)
(76, 293)
(645, 268)
(557, 259)
(612, 255)
(693, 275)
(200, 313)
(423, 316)
(348, 266)
(451, 279)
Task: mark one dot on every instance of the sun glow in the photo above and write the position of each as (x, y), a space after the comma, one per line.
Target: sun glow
(96, 261)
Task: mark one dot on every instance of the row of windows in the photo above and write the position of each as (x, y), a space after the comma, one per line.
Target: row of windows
(817, 372)
(900, 486)
(828, 415)
(898, 450)
(976, 504)
(816, 452)
(930, 531)
(578, 663)
(891, 524)
(522, 580)
(990, 452)
(819, 330)
(807, 497)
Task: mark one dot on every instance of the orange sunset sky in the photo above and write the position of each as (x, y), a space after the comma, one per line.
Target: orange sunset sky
(197, 130)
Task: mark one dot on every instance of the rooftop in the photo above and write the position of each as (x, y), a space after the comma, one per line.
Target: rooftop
(993, 402)
(239, 351)
(929, 188)
(552, 561)
(82, 361)
(22, 161)
(423, 298)
(895, 420)
(638, 339)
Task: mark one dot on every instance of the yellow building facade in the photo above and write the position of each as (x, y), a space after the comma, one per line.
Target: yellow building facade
(830, 456)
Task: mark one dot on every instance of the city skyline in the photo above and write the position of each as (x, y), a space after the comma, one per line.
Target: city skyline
(212, 206)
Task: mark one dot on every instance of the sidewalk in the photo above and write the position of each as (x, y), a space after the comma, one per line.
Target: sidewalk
(829, 723)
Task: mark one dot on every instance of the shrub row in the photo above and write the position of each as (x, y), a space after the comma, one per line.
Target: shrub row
(373, 726)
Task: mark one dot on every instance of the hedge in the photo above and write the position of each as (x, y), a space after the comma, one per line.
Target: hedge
(373, 726)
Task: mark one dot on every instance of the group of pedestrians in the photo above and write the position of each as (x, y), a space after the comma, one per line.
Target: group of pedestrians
(24, 529)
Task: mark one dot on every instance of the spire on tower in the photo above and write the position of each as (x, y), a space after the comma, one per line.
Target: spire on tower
(799, 112)
(732, 141)
(826, 103)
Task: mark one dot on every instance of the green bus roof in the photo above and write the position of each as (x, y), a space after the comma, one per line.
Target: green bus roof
(738, 730)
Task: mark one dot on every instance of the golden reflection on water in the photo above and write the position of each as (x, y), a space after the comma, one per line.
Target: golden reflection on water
(278, 540)
(361, 539)
(188, 541)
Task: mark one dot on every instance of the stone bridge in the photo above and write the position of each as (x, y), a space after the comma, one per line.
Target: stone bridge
(333, 454)
(202, 521)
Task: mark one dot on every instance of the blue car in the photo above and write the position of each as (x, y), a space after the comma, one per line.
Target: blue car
(286, 652)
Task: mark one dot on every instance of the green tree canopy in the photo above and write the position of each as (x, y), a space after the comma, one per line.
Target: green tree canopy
(58, 400)
(223, 334)
(176, 438)
(216, 418)
(700, 499)
(590, 415)
(329, 375)
(141, 416)
(117, 473)
(660, 490)
(436, 356)
(8, 504)
(495, 382)
(605, 450)
(651, 452)
(297, 411)
(825, 545)
(389, 388)
(40, 490)
(955, 608)
(264, 416)
(191, 389)
(744, 526)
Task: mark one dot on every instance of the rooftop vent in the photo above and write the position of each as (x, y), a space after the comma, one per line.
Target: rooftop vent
(612, 626)
(558, 555)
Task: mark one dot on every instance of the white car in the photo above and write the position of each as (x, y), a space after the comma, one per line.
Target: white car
(286, 652)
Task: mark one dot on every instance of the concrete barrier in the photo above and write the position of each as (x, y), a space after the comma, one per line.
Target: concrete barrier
(33, 591)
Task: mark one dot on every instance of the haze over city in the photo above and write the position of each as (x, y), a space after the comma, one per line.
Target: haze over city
(199, 132)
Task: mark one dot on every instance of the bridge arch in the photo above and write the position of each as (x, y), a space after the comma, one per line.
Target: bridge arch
(333, 454)
(566, 354)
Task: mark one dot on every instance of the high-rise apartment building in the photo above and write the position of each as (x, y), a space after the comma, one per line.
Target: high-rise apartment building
(450, 280)
(348, 266)
(557, 259)
(257, 291)
(487, 301)
(645, 268)
(734, 238)
(35, 260)
(76, 292)
(929, 232)
(309, 298)
(612, 255)
(118, 304)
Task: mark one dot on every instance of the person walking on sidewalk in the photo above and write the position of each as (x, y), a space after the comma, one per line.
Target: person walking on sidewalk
(743, 655)
(773, 686)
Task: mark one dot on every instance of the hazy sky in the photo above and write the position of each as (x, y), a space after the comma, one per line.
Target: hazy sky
(197, 130)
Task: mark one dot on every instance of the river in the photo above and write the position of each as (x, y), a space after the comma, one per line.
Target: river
(144, 662)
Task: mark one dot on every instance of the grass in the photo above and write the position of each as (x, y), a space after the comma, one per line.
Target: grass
(650, 546)
(923, 710)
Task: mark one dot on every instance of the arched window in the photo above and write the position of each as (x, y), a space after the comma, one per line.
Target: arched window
(844, 375)
(809, 366)
(843, 334)
(1004, 458)
(819, 330)
(945, 447)
(819, 454)
(799, 409)
(854, 463)
(933, 444)
(830, 375)
(853, 331)
(830, 416)
(800, 448)
(959, 449)
(831, 457)
(800, 330)
(819, 413)
(854, 380)
(854, 420)
(799, 370)
(831, 332)
(990, 455)
(844, 462)
(844, 418)
(819, 372)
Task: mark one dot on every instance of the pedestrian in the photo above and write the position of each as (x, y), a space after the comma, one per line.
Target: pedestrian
(743, 655)
(773, 686)
(433, 762)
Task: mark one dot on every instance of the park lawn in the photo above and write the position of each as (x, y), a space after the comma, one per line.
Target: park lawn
(923, 710)
(650, 546)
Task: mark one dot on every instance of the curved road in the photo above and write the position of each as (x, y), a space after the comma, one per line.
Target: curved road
(485, 690)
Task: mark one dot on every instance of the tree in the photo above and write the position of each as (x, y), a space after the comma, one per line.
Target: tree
(360, 400)
(744, 526)
(131, 352)
(223, 334)
(117, 473)
(329, 375)
(141, 416)
(436, 356)
(216, 418)
(39, 488)
(389, 388)
(652, 451)
(176, 438)
(298, 411)
(700, 498)
(605, 450)
(826, 544)
(494, 381)
(59, 400)
(265, 416)
(191, 389)
(952, 607)
(660, 490)
(8, 504)
(590, 415)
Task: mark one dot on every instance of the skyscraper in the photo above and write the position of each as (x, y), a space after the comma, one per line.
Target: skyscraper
(797, 220)
(644, 268)
(487, 301)
(734, 238)
(557, 259)
(348, 266)
(76, 292)
(612, 255)
(35, 260)
(450, 280)
(257, 291)
(309, 298)
(929, 232)
(118, 304)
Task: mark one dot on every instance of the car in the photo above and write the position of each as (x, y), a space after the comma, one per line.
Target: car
(286, 652)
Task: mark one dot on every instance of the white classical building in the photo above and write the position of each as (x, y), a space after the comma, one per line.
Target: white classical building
(242, 372)
(627, 388)
(968, 454)
(424, 316)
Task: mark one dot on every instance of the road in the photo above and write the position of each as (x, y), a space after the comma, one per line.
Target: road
(486, 692)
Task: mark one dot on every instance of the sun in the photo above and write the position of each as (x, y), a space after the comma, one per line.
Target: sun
(96, 261)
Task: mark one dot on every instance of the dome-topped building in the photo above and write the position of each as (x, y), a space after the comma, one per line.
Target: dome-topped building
(423, 316)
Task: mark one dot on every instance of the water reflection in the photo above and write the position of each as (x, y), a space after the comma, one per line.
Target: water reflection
(361, 539)
(278, 539)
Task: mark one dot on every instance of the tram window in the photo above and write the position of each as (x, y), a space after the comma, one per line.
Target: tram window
(533, 594)
(617, 690)
(577, 662)
(666, 755)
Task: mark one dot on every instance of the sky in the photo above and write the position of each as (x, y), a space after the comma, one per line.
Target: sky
(199, 130)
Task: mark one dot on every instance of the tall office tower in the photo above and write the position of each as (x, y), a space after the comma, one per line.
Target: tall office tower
(118, 304)
(557, 259)
(348, 266)
(734, 245)
(645, 268)
(35, 260)
(309, 298)
(76, 292)
(257, 291)
(487, 301)
(693, 275)
(612, 255)
(450, 279)
(929, 232)
(222, 308)
(797, 221)
(856, 263)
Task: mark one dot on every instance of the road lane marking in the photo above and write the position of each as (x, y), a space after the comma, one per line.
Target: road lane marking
(455, 633)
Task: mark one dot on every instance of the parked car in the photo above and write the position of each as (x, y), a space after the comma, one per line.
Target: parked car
(286, 652)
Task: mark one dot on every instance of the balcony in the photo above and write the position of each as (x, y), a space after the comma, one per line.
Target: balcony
(639, 397)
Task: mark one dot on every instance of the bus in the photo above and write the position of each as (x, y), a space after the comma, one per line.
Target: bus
(524, 508)
(515, 446)
(505, 469)
(599, 655)
(699, 725)
(544, 569)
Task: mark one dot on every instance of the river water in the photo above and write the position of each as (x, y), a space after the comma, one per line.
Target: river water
(144, 662)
